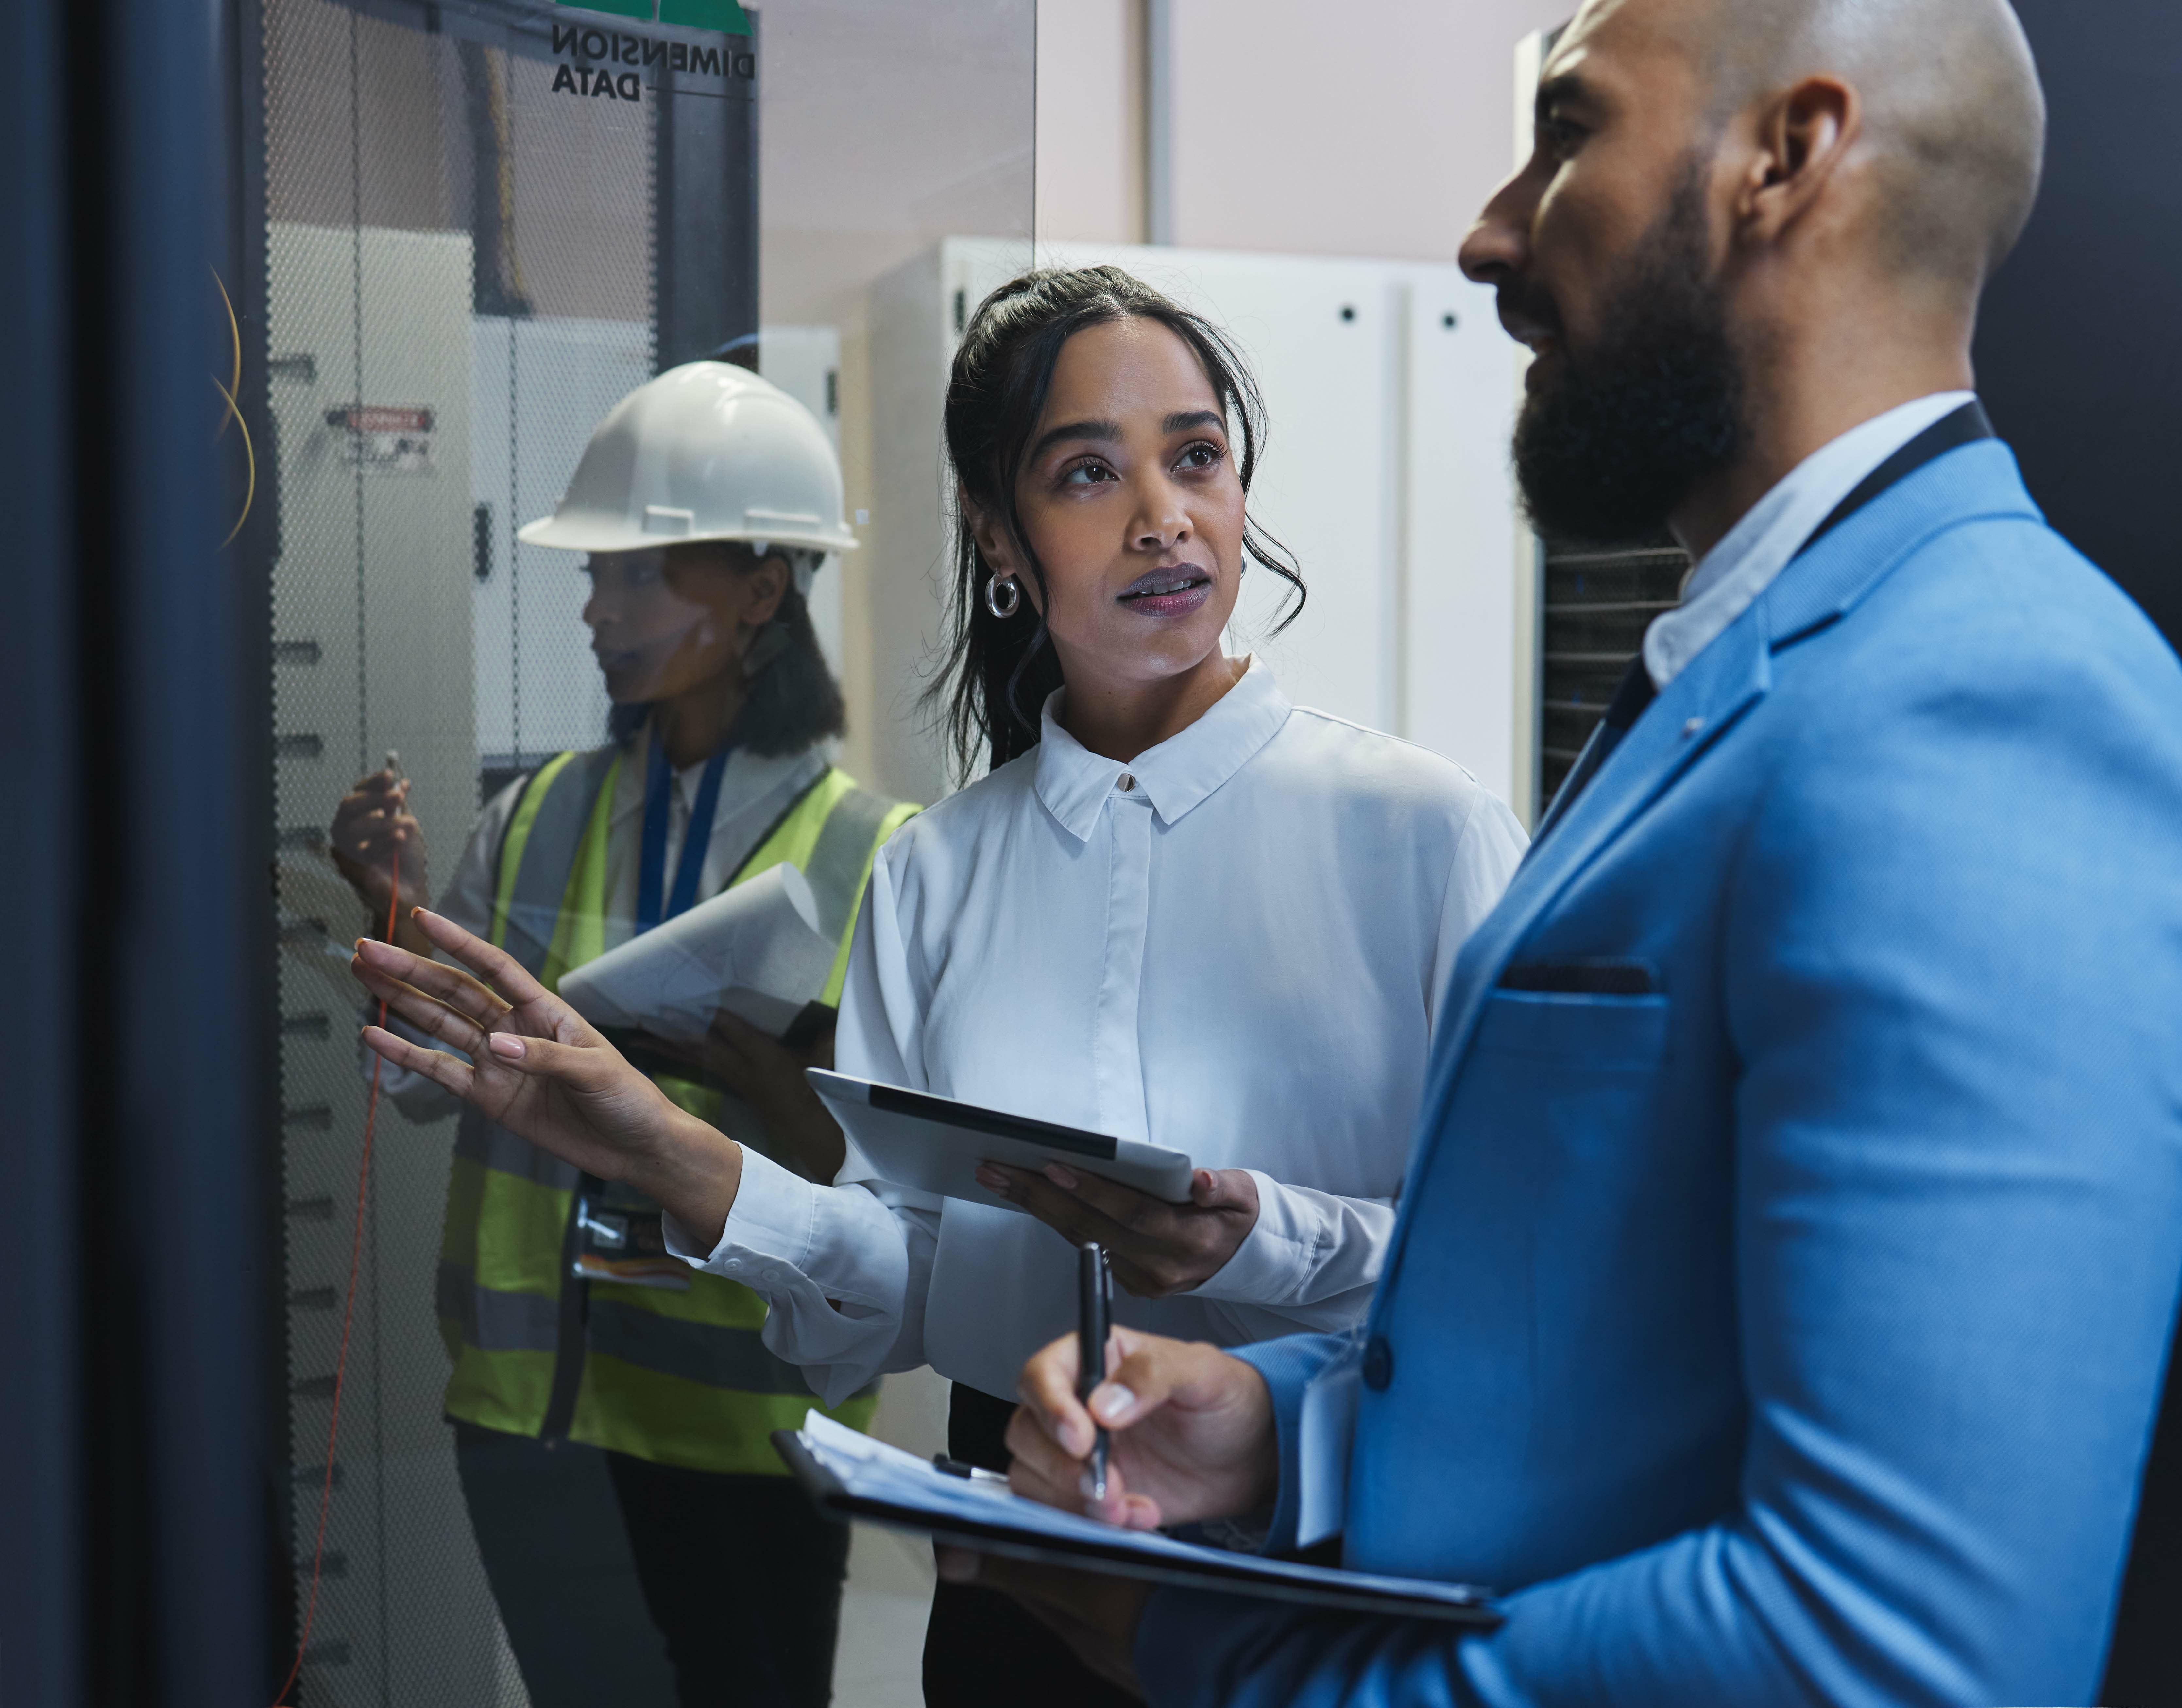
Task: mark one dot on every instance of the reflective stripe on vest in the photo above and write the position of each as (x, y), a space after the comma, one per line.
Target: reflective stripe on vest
(677, 1378)
(532, 870)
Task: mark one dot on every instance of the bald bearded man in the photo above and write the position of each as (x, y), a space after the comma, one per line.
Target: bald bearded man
(1779, 1300)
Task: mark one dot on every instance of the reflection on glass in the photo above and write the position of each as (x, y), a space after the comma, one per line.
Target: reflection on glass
(482, 226)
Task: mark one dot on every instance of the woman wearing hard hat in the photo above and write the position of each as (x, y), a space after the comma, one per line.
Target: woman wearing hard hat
(611, 1408)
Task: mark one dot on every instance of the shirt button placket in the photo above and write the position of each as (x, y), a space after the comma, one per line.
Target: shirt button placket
(1119, 1064)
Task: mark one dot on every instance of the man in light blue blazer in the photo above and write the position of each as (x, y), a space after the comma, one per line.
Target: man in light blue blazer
(1777, 1309)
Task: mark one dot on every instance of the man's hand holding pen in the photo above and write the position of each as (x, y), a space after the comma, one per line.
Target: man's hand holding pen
(1190, 1435)
(1190, 1428)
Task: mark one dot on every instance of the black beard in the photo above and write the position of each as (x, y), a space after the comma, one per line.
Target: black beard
(1606, 451)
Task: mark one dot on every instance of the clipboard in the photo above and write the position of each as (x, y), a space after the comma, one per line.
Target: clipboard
(882, 1485)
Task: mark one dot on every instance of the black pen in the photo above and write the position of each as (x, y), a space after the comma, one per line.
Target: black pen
(968, 1473)
(1094, 1315)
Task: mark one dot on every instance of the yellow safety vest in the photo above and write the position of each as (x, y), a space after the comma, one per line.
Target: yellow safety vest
(680, 1377)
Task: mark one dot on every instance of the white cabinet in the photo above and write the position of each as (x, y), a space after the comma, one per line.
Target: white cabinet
(1389, 386)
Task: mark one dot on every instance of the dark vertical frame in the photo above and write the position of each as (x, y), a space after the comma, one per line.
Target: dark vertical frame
(2080, 351)
(147, 741)
(704, 262)
(41, 1603)
(2079, 361)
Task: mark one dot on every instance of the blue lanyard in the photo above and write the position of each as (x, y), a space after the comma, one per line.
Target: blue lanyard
(651, 875)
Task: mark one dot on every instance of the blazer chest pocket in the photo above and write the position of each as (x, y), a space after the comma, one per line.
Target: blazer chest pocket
(1608, 1015)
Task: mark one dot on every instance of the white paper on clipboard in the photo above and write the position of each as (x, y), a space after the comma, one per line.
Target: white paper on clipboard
(856, 1476)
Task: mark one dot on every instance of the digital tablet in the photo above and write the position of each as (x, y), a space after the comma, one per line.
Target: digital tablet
(935, 1144)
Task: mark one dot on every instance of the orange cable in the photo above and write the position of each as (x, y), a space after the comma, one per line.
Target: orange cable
(348, 1309)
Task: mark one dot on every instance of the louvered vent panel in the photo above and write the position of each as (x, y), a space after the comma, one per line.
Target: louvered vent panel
(1597, 605)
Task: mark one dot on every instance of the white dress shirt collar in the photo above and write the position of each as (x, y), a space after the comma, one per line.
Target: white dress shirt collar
(1758, 547)
(1073, 782)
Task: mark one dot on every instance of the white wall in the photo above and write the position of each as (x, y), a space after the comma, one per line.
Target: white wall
(1090, 120)
(885, 125)
(1376, 129)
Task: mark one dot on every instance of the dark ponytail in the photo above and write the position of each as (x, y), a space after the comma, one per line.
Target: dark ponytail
(794, 702)
(999, 672)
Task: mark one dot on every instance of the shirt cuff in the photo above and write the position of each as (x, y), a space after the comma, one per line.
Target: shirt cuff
(831, 1266)
(1276, 1254)
(773, 1216)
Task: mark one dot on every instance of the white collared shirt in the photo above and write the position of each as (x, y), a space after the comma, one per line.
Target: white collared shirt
(1759, 547)
(1231, 946)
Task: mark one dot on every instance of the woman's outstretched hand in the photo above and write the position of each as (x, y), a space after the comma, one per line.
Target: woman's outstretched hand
(539, 1069)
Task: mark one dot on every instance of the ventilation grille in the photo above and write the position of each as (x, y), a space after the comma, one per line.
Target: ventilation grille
(1597, 605)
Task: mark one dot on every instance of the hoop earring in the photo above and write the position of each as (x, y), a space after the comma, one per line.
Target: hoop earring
(994, 603)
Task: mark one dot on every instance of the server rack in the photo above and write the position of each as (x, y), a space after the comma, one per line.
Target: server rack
(1596, 605)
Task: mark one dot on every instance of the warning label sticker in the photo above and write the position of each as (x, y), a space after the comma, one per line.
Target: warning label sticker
(384, 439)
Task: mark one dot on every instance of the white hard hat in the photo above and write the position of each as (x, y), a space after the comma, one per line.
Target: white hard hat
(707, 451)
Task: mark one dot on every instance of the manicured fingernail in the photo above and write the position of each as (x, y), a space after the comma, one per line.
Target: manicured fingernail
(1112, 1403)
(1063, 1178)
(506, 1043)
(992, 1178)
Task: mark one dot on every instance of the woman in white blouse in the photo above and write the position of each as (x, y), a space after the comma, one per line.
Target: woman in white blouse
(1178, 909)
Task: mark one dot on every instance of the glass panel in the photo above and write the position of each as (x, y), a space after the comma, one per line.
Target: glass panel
(480, 226)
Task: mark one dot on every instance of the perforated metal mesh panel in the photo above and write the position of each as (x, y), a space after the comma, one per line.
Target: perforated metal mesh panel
(481, 223)
(462, 264)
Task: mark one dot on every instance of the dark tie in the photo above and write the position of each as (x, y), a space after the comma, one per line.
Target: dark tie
(1636, 692)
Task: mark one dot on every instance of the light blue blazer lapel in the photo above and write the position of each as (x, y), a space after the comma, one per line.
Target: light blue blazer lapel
(1678, 730)
(1980, 481)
